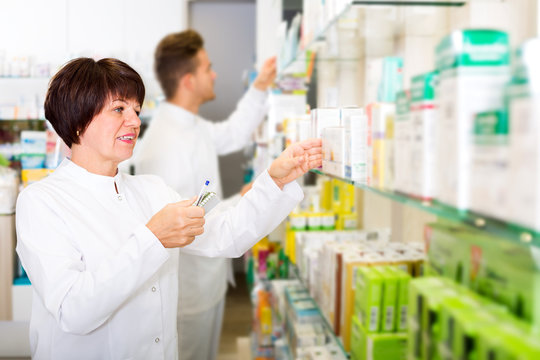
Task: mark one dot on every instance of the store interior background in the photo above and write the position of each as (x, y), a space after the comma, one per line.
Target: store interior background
(239, 35)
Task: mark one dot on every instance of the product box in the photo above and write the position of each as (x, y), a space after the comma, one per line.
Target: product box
(389, 300)
(402, 299)
(351, 263)
(355, 123)
(473, 70)
(448, 251)
(489, 166)
(402, 143)
(368, 297)
(380, 112)
(513, 282)
(388, 161)
(322, 118)
(372, 346)
(419, 290)
(523, 103)
(423, 146)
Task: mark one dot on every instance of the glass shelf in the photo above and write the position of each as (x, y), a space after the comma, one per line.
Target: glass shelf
(411, 3)
(335, 339)
(320, 36)
(499, 228)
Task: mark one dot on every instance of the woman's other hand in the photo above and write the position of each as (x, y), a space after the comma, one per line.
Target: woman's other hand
(177, 224)
(295, 161)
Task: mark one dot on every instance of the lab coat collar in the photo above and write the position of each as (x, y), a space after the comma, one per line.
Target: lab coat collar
(100, 183)
(178, 114)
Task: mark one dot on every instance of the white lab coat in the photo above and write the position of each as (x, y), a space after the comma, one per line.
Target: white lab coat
(183, 148)
(104, 286)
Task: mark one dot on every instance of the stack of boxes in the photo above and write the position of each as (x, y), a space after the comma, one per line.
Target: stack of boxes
(380, 313)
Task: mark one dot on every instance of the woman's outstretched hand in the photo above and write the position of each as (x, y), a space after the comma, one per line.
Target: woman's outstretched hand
(295, 161)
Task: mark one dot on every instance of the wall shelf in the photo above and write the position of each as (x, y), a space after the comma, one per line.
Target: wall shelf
(499, 228)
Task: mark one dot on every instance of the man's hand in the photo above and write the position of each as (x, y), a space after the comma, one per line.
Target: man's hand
(266, 76)
(295, 161)
(177, 224)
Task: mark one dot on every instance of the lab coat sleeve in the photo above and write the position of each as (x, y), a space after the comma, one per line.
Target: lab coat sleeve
(235, 132)
(80, 300)
(259, 211)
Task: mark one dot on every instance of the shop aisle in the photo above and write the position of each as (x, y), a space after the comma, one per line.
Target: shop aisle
(236, 322)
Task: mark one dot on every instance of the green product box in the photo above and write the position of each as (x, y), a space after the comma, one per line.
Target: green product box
(507, 273)
(447, 251)
(506, 342)
(425, 298)
(368, 297)
(402, 298)
(389, 308)
(473, 48)
(418, 289)
(373, 346)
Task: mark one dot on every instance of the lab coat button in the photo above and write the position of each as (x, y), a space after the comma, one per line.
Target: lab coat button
(120, 197)
(154, 289)
(157, 340)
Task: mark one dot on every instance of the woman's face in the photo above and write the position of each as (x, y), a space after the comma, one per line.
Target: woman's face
(111, 135)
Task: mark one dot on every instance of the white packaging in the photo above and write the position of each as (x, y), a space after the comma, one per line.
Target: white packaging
(423, 146)
(524, 138)
(473, 68)
(489, 166)
(333, 139)
(402, 143)
(461, 95)
(322, 118)
(355, 124)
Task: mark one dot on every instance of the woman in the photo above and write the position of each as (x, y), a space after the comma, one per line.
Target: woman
(100, 246)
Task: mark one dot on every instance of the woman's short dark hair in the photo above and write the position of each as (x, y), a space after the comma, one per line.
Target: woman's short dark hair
(80, 90)
(175, 56)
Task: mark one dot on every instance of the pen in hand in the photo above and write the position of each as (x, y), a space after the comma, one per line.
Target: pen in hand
(201, 193)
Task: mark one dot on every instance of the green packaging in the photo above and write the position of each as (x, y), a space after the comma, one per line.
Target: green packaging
(381, 346)
(402, 299)
(368, 297)
(389, 299)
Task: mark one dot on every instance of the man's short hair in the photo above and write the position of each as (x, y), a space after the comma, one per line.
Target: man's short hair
(176, 56)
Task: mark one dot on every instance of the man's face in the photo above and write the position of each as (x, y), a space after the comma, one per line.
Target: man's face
(204, 78)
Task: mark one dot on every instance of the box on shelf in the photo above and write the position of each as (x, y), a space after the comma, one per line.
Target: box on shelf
(403, 143)
(473, 69)
(523, 99)
(423, 141)
(489, 165)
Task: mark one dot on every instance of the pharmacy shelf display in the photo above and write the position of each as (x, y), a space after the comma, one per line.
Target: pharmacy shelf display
(496, 227)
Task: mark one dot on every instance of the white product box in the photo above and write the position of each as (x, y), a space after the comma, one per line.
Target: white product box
(473, 68)
(489, 166)
(402, 143)
(355, 123)
(322, 118)
(524, 162)
(423, 146)
(461, 95)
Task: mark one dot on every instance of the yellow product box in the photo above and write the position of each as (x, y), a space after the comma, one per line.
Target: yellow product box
(298, 221)
(29, 176)
(351, 262)
(347, 221)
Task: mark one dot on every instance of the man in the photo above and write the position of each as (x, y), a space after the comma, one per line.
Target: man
(179, 141)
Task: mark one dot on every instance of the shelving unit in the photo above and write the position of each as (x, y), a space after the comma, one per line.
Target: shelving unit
(500, 228)
(414, 30)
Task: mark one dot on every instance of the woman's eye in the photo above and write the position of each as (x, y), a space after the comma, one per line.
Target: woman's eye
(138, 112)
(119, 109)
